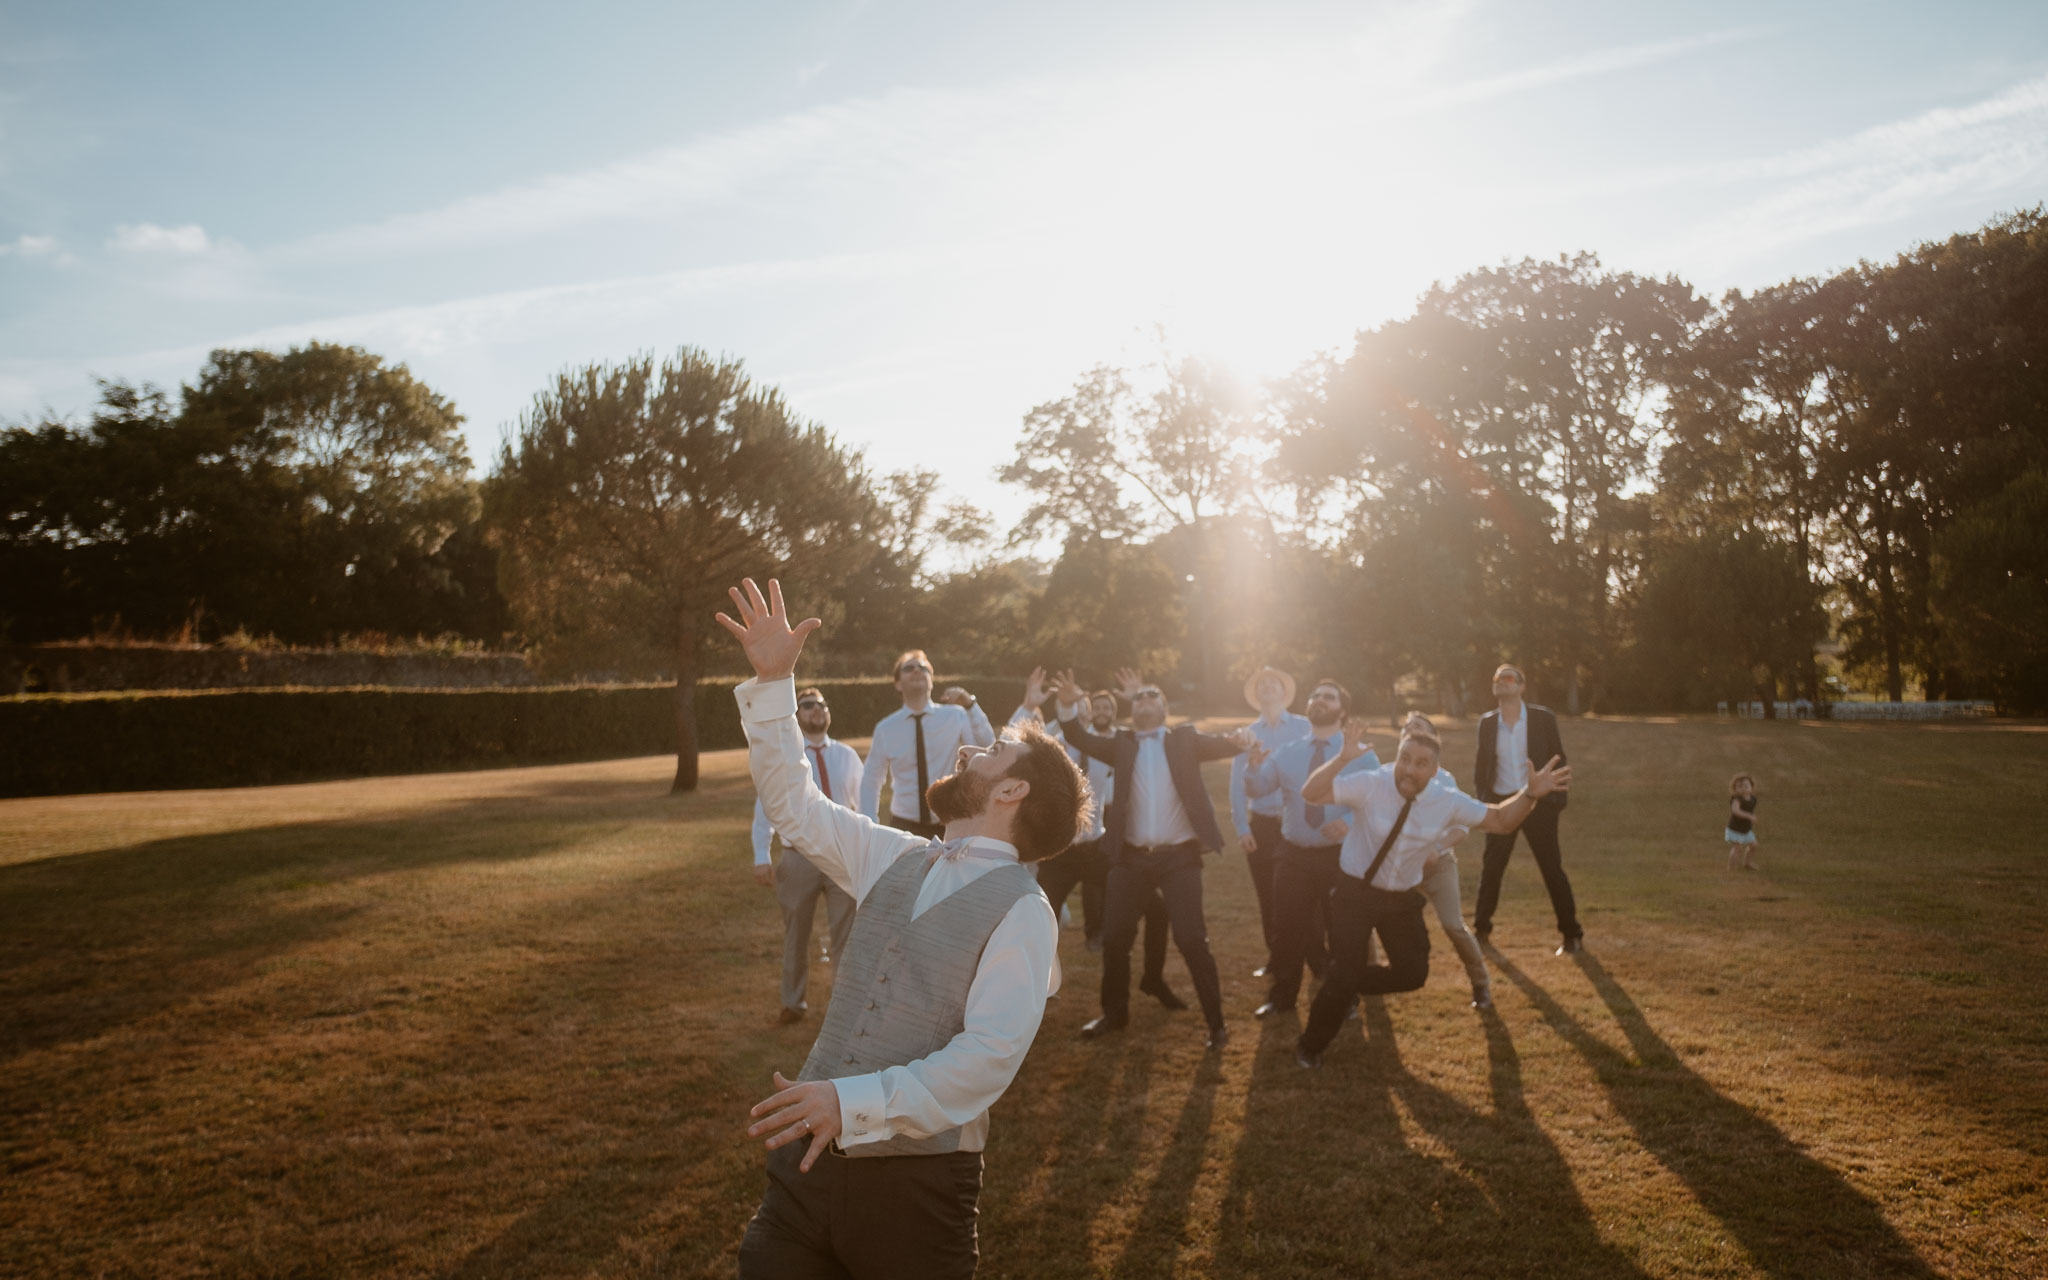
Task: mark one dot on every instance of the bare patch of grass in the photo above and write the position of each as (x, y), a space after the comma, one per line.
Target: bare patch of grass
(508, 1023)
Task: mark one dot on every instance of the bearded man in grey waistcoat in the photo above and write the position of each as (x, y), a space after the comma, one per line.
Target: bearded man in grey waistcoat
(874, 1165)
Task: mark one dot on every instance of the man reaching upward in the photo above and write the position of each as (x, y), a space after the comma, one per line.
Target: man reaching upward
(939, 993)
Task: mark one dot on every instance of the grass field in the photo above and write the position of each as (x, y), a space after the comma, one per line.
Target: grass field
(509, 1023)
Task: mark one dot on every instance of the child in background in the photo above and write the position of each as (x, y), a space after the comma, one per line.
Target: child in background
(1741, 833)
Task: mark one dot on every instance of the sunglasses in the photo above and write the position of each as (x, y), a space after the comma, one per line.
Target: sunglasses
(810, 704)
(913, 666)
(1146, 693)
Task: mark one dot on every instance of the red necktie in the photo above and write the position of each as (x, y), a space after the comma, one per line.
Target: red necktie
(824, 778)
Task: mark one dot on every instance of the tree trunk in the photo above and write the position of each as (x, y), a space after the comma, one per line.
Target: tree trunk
(1571, 688)
(1809, 666)
(686, 708)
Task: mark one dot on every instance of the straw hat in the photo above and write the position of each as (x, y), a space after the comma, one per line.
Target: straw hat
(1251, 686)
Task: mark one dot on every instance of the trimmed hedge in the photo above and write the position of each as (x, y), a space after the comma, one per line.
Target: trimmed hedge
(57, 744)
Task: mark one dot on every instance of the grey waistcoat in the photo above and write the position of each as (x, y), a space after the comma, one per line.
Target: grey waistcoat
(901, 990)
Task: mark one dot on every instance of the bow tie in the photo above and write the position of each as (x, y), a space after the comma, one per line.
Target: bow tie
(954, 850)
(1151, 735)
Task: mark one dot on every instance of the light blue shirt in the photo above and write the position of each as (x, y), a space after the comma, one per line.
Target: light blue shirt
(1242, 803)
(1284, 774)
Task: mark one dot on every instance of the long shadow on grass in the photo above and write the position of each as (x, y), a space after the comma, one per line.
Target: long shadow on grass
(94, 941)
(1056, 1160)
(1792, 1214)
(1326, 1182)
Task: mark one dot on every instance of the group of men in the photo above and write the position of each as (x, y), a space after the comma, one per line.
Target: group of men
(951, 952)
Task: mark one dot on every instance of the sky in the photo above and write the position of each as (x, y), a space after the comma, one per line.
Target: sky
(920, 220)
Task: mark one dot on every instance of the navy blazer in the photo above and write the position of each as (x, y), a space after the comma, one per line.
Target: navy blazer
(1186, 749)
(1543, 744)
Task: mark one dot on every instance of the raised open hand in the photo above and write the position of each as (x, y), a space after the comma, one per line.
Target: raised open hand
(1067, 689)
(1128, 680)
(1035, 688)
(772, 645)
(1551, 777)
(1356, 737)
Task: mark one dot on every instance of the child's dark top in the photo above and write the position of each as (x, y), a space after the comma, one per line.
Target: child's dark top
(1740, 823)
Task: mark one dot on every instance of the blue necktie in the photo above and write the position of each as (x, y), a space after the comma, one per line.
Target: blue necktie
(1313, 813)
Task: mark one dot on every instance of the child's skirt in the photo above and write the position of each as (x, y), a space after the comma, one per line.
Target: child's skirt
(1740, 837)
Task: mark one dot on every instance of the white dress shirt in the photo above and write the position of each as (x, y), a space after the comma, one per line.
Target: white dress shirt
(1157, 816)
(1440, 817)
(893, 753)
(1511, 764)
(1101, 778)
(842, 770)
(1019, 969)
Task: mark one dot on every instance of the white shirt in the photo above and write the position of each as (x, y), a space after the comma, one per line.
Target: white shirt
(893, 753)
(1511, 764)
(842, 770)
(1157, 816)
(1101, 778)
(954, 1087)
(1439, 818)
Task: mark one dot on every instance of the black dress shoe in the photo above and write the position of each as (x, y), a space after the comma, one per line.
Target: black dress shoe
(1269, 1009)
(1306, 1060)
(1163, 994)
(1571, 946)
(789, 1015)
(1484, 933)
(1102, 1026)
(1218, 1037)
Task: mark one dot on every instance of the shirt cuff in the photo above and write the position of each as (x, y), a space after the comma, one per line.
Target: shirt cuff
(761, 858)
(861, 1106)
(761, 701)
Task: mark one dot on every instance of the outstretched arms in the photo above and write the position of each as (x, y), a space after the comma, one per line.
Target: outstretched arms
(1508, 814)
(1318, 787)
(850, 849)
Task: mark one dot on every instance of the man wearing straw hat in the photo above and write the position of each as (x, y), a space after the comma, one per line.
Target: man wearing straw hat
(1270, 691)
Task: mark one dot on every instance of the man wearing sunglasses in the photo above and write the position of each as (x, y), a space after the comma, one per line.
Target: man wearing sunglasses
(1155, 836)
(915, 746)
(797, 882)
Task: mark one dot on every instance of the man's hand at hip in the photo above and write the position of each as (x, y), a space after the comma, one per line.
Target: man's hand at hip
(798, 1111)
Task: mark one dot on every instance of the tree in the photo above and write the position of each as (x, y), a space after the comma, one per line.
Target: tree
(632, 495)
(326, 485)
(1991, 591)
(302, 494)
(1110, 463)
(1727, 610)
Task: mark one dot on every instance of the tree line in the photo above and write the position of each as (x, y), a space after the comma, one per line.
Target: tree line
(1649, 498)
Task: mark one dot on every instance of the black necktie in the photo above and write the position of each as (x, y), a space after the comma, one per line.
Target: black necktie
(1393, 833)
(1312, 814)
(924, 777)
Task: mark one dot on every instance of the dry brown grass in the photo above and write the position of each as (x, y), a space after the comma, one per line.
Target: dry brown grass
(508, 1023)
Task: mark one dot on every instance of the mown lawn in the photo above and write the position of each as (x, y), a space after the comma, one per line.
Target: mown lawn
(509, 1023)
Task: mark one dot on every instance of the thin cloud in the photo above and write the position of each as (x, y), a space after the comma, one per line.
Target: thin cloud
(147, 237)
(1986, 150)
(1600, 62)
(28, 246)
(902, 138)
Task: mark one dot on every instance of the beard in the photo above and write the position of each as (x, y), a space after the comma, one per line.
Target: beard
(1324, 719)
(959, 796)
(1102, 723)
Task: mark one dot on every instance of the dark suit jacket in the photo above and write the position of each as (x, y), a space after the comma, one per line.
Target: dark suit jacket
(1543, 744)
(1186, 749)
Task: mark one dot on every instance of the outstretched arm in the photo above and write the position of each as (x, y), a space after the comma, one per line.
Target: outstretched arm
(1074, 726)
(1508, 814)
(849, 848)
(1319, 787)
